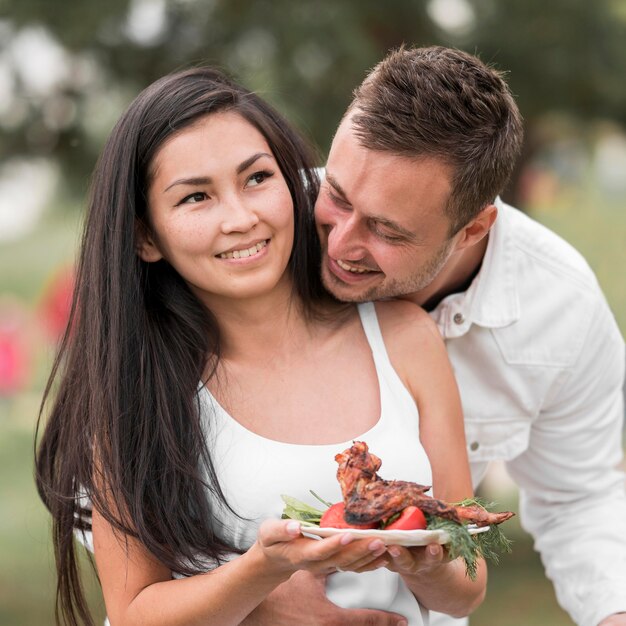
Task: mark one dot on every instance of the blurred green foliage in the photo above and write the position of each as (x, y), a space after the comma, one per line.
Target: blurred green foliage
(306, 57)
(27, 572)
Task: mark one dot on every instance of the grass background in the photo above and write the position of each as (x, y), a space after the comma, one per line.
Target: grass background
(519, 594)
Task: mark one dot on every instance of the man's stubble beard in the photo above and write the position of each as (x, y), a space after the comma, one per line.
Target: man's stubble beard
(389, 287)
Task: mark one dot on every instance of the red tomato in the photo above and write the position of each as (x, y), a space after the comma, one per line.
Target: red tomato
(411, 518)
(333, 518)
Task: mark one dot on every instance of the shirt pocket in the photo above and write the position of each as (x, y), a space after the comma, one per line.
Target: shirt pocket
(496, 439)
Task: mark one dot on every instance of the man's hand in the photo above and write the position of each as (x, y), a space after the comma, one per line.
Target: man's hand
(416, 561)
(302, 600)
(438, 583)
(618, 619)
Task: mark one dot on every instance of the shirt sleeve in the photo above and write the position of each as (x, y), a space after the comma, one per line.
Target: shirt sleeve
(572, 494)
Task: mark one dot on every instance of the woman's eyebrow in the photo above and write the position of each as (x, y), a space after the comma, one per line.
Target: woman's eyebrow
(194, 180)
(206, 180)
(249, 161)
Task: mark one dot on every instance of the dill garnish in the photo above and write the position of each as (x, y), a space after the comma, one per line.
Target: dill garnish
(489, 544)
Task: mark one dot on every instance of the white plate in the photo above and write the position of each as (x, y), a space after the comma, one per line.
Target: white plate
(405, 538)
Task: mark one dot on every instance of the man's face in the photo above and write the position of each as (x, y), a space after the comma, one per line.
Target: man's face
(381, 221)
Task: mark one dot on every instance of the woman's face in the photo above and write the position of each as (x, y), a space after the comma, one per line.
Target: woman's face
(220, 210)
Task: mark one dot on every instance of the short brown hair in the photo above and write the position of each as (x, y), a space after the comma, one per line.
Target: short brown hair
(447, 104)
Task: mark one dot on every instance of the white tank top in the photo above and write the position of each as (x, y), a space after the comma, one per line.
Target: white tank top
(254, 471)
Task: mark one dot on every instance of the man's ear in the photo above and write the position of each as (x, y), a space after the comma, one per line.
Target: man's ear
(478, 227)
(145, 245)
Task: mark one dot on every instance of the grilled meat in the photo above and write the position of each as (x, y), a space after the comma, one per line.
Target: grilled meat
(368, 498)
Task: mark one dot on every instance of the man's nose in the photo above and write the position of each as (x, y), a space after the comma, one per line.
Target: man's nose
(345, 240)
(239, 216)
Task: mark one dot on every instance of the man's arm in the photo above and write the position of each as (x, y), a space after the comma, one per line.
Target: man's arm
(302, 600)
(572, 496)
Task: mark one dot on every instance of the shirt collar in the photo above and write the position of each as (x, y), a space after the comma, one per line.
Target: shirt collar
(492, 299)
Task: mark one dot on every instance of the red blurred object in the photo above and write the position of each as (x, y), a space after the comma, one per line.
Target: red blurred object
(12, 365)
(15, 361)
(56, 303)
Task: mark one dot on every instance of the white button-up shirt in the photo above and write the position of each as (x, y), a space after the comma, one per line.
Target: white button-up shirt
(540, 365)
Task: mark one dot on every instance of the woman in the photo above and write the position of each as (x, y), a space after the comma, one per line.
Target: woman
(205, 372)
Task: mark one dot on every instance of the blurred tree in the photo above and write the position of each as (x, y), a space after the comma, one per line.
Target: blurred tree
(303, 56)
(306, 57)
(564, 57)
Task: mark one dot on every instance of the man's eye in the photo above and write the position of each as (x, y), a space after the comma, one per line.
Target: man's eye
(257, 178)
(337, 201)
(193, 198)
(387, 236)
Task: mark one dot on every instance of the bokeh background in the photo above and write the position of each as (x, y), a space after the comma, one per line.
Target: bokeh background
(69, 67)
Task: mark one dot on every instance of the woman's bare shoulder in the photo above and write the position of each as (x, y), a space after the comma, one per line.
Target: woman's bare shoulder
(401, 320)
(413, 342)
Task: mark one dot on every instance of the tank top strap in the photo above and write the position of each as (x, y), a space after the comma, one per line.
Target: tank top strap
(395, 398)
(369, 321)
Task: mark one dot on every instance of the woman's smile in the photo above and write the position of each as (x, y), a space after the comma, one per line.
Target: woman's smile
(245, 251)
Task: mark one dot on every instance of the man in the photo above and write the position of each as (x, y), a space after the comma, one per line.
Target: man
(409, 208)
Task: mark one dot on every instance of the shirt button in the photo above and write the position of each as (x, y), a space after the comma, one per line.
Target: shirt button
(458, 318)
(474, 446)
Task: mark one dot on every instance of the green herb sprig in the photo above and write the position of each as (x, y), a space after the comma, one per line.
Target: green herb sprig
(300, 511)
(461, 544)
(489, 544)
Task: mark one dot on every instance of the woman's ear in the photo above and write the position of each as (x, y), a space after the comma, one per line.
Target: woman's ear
(145, 246)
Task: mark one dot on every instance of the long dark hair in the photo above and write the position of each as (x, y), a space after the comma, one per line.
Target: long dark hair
(124, 429)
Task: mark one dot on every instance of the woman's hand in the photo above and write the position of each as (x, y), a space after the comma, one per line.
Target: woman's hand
(287, 550)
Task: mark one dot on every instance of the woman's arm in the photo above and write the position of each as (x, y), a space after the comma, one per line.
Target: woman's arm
(138, 589)
(418, 354)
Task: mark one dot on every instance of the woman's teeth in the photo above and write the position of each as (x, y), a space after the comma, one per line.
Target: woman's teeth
(349, 268)
(242, 254)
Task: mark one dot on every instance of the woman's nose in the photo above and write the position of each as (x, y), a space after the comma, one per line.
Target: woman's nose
(239, 217)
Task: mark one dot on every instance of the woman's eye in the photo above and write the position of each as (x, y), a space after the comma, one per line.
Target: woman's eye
(192, 198)
(257, 178)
